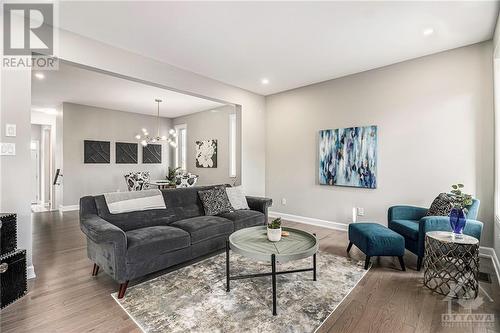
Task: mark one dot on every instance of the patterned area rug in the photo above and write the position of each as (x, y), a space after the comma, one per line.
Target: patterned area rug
(194, 298)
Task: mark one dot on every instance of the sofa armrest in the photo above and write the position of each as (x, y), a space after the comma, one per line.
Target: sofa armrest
(101, 231)
(404, 212)
(259, 204)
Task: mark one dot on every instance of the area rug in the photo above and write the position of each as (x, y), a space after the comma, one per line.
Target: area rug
(194, 298)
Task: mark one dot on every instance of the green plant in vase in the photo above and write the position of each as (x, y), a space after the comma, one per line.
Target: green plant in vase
(172, 172)
(274, 230)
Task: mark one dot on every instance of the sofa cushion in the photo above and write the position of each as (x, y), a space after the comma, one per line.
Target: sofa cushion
(245, 218)
(215, 201)
(152, 241)
(406, 228)
(205, 227)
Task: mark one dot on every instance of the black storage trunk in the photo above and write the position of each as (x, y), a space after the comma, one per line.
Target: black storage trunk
(13, 277)
(8, 233)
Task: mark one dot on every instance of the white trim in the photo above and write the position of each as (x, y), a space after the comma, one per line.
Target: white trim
(68, 208)
(232, 145)
(30, 272)
(488, 252)
(310, 220)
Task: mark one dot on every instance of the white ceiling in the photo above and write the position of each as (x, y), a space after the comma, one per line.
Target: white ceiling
(291, 43)
(82, 86)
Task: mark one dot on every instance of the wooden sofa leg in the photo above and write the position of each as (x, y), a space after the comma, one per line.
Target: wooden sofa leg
(122, 289)
(367, 262)
(402, 263)
(349, 247)
(419, 263)
(95, 270)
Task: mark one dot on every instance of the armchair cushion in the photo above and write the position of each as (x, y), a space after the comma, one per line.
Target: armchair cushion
(149, 242)
(406, 228)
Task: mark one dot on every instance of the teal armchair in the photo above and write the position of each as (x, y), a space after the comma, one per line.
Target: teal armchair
(412, 223)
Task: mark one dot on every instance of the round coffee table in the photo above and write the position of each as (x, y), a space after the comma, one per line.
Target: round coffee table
(451, 264)
(253, 243)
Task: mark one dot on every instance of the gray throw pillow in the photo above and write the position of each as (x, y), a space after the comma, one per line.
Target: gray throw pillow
(215, 201)
(441, 206)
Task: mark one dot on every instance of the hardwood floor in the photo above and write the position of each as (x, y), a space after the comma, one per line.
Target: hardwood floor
(66, 298)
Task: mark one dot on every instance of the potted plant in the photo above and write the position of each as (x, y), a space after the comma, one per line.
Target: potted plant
(172, 173)
(274, 230)
(460, 202)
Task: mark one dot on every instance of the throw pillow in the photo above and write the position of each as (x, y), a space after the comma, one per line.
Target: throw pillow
(441, 206)
(237, 198)
(215, 201)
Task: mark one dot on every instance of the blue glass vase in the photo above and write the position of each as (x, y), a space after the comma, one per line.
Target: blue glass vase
(457, 221)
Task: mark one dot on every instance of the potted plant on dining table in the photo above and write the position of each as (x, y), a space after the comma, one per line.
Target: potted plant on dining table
(274, 230)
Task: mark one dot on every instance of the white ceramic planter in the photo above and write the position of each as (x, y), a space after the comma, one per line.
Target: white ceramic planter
(274, 235)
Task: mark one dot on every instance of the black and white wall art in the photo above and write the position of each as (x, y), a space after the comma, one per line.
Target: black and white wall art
(151, 154)
(206, 153)
(96, 152)
(126, 153)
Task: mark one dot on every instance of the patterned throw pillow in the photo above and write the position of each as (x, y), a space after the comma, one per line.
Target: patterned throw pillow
(215, 201)
(441, 206)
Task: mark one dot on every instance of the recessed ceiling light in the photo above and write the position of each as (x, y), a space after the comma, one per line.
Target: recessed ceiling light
(427, 31)
(264, 81)
(40, 76)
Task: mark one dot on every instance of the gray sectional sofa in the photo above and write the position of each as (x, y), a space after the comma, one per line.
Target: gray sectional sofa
(130, 245)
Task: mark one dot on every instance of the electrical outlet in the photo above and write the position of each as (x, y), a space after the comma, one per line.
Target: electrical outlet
(10, 129)
(7, 149)
(361, 211)
(283, 201)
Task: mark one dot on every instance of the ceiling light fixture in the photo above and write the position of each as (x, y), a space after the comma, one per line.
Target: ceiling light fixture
(145, 139)
(264, 81)
(427, 31)
(40, 76)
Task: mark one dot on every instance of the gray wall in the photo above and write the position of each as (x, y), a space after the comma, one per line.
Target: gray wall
(212, 124)
(81, 122)
(435, 120)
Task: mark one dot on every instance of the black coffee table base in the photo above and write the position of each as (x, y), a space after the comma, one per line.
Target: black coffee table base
(273, 274)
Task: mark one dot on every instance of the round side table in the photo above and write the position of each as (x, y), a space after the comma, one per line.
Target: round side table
(451, 265)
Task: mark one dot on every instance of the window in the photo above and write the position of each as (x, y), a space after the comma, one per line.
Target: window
(180, 149)
(232, 145)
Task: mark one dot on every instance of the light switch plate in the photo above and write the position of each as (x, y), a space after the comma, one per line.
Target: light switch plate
(10, 130)
(7, 149)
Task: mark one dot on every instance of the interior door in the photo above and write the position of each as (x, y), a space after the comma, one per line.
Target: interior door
(35, 171)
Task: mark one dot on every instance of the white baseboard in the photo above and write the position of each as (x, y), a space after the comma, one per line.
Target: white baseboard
(310, 220)
(30, 272)
(68, 208)
(488, 252)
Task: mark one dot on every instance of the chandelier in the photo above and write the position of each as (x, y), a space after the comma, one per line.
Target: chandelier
(146, 139)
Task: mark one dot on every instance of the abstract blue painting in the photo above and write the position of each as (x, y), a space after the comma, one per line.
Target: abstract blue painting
(348, 157)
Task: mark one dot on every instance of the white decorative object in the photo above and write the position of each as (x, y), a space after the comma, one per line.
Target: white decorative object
(274, 235)
(206, 154)
(237, 197)
(10, 130)
(7, 149)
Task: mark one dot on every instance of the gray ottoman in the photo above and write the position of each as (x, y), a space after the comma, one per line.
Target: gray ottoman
(374, 239)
